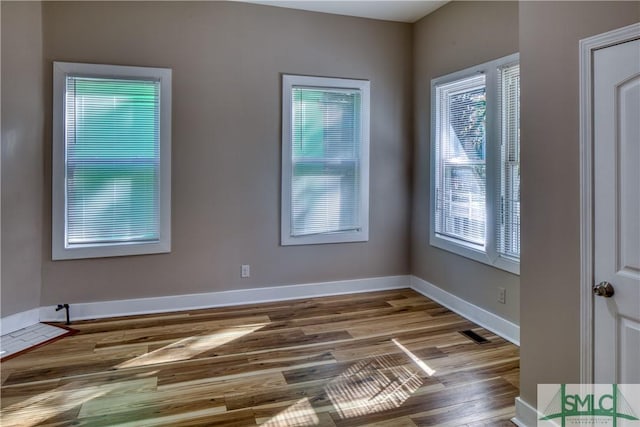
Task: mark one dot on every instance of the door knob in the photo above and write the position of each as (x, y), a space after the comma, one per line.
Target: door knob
(603, 289)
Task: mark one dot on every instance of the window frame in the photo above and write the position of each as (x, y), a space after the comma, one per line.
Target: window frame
(60, 248)
(289, 81)
(487, 254)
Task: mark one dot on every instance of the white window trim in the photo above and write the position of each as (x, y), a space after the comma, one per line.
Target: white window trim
(361, 235)
(59, 248)
(489, 254)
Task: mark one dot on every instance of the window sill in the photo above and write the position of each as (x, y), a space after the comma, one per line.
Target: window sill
(479, 255)
(110, 250)
(325, 238)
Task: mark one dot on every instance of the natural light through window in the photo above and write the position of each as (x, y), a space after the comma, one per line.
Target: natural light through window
(300, 413)
(187, 348)
(373, 385)
(475, 163)
(325, 160)
(461, 167)
(35, 410)
(111, 165)
(427, 370)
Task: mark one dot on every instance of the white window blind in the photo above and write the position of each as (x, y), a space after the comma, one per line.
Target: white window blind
(325, 160)
(508, 239)
(111, 193)
(460, 165)
(112, 160)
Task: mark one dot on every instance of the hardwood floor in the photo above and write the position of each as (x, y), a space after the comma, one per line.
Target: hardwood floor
(385, 359)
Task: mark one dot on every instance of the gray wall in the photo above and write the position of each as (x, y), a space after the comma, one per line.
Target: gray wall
(22, 153)
(227, 59)
(456, 36)
(550, 270)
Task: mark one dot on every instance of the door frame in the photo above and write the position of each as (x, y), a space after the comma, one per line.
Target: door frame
(587, 48)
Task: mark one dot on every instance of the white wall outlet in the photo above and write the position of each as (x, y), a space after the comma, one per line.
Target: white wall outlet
(502, 295)
(245, 271)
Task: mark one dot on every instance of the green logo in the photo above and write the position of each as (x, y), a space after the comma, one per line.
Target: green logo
(596, 406)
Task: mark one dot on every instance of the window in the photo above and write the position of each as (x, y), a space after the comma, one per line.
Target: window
(111, 161)
(475, 186)
(325, 160)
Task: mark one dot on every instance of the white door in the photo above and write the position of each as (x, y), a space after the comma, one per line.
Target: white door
(616, 119)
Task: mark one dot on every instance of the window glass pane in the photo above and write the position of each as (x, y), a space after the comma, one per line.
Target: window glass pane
(460, 162)
(464, 205)
(112, 160)
(325, 160)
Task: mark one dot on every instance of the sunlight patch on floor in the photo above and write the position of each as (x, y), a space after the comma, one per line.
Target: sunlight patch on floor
(373, 385)
(426, 368)
(46, 405)
(299, 414)
(186, 348)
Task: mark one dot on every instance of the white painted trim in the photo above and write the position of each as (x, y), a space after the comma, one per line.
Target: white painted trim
(587, 47)
(18, 321)
(166, 304)
(60, 248)
(496, 324)
(361, 234)
(489, 71)
(96, 310)
(526, 415)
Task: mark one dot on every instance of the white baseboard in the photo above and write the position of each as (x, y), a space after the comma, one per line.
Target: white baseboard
(18, 321)
(96, 310)
(102, 309)
(526, 415)
(496, 324)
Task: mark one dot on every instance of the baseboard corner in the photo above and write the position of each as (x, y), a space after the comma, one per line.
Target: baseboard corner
(496, 324)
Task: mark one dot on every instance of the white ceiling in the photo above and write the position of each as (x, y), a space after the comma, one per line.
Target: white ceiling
(389, 10)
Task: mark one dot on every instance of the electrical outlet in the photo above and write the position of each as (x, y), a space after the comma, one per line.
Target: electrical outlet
(245, 271)
(502, 295)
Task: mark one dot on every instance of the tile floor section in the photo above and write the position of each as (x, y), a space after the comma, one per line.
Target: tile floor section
(25, 338)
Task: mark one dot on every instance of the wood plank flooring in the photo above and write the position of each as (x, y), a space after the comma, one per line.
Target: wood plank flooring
(385, 359)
